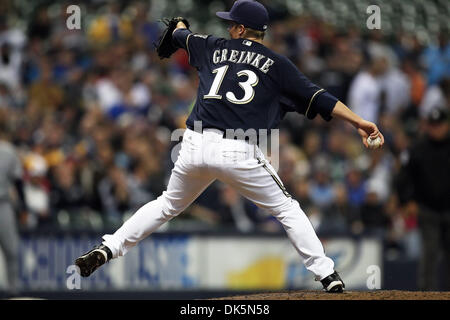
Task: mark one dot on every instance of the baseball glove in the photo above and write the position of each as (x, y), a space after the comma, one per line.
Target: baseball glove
(165, 47)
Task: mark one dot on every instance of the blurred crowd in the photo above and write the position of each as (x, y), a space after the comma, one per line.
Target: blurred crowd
(92, 112)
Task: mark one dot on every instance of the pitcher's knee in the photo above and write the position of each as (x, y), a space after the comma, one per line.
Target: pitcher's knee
(289, 204)
(169, 208)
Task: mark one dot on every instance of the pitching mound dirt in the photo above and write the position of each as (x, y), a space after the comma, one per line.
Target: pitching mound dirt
(348, 295)
(26, 298)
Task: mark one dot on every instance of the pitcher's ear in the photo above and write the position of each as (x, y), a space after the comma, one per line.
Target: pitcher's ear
(241, 29)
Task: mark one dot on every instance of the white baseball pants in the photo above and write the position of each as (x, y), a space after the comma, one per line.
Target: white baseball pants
(205, 157)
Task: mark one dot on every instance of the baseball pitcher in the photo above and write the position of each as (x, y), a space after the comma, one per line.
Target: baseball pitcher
(243, 86)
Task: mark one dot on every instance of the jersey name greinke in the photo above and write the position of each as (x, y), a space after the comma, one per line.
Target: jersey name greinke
(245, 85)
(247, 57)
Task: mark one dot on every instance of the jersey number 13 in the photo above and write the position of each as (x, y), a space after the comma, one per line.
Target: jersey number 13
(247, 86)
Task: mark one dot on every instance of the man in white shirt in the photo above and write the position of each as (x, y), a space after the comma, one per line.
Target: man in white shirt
(365, 90)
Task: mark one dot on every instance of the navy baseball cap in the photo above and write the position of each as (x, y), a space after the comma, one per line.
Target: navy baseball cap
(250, 13)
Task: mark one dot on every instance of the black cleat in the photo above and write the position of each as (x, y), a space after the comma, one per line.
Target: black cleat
(333, 283)
(93, 259)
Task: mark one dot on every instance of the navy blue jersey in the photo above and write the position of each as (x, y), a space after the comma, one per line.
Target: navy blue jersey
(244, 85)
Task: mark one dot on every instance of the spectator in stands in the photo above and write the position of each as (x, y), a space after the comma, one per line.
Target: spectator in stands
(236, 211)
(321, 189)
(340, 218)
(437, 95)
(416, 79)
(37, 192)
(67, 199)
(372, 212)
(396, 86)
(437, 59)
(356, 188)
(45, 95)
(365, 91)
(114, 195)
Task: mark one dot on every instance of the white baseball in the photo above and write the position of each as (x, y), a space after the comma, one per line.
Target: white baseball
(374, 143)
